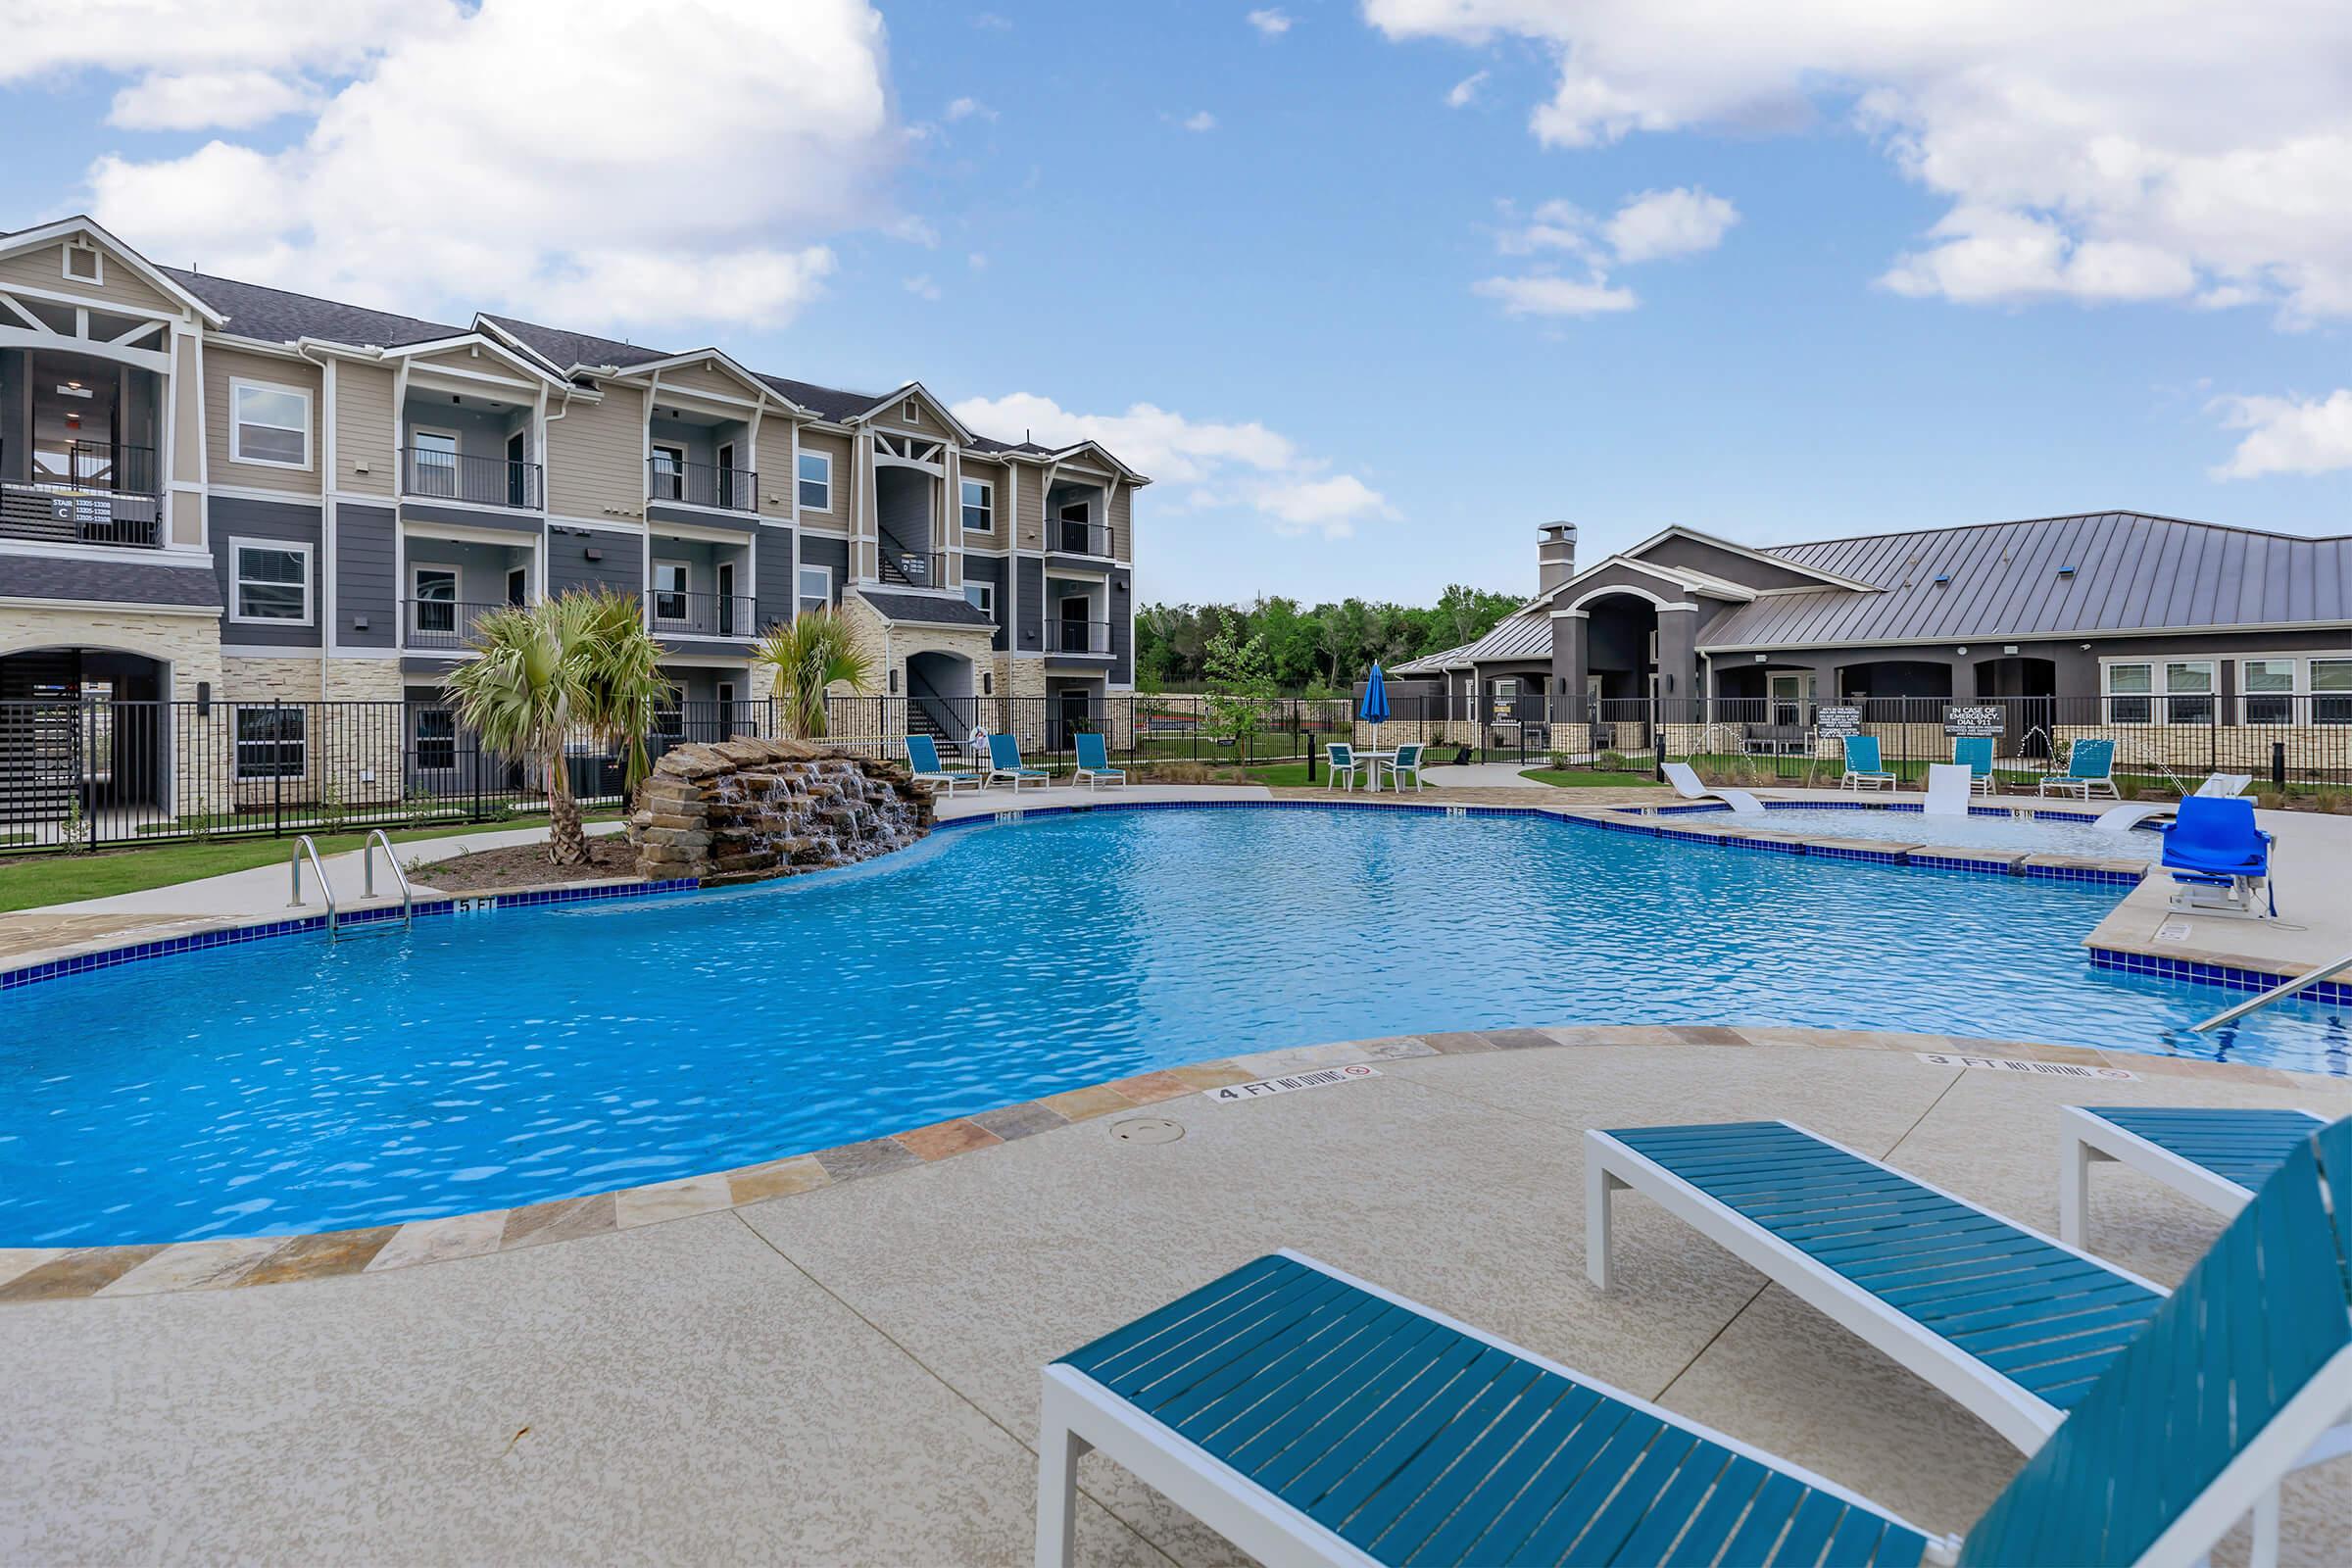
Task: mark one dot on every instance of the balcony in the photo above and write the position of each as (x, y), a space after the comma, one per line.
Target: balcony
(429, 473)
(88, 493)
(1077, 636)
(675, 613)
(1070, 538)
(442, 625)
(701, 484)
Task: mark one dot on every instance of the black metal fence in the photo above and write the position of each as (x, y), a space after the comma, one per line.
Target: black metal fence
(1136, 730)
(105, 774)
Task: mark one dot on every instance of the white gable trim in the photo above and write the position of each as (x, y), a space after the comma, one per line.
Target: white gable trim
(917, 389)
(69, 227)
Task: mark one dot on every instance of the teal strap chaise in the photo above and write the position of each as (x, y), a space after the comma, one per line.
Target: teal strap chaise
(1004, 763)
(1310, 1418)
(1093, 762)
(922, 758)
(2090, 767)
(1863, 767)
(2217, 1155)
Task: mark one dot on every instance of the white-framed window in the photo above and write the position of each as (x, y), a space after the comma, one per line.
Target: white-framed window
(2131, 692)
(816, 481)
(816, 588)
(979, 506)
(2171, 691)
(434, 743)
(84, 263)
(2189, 688)
(914, 412)
(270, 582)
(668, 472)
(272, 741)
(435, 591)
(982, 596)
(2332, 690)
(269, 424)
(433, 462)
(669, 590)
(2269, 689)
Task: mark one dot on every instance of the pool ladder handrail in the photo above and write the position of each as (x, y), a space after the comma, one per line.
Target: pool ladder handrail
(2278, 993)
(303, 846)
(408, 895)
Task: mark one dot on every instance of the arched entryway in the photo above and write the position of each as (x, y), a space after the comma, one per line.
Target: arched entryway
(86, 724)
(941, 698)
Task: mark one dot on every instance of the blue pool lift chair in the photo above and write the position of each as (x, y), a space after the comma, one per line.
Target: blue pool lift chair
(1004, 763)
(1863, 766)
(2218, 858)
(2089, 768)
(1093, 762)
(2219, 1155)
(1975, 753)
(922, 756)
(1308, 1416)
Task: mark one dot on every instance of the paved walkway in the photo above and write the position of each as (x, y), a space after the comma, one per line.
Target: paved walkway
(1482, 775)
(848, 1374)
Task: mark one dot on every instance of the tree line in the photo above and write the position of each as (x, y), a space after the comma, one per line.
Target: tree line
(1309, 651)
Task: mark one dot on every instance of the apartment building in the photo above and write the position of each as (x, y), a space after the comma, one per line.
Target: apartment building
(212, 489)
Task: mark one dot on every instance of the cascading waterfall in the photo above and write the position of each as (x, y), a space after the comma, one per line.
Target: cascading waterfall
(741, 810)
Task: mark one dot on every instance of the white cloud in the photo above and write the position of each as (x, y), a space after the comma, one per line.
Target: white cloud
(1271, 22)
(1669, 223)
(1221, 463)
(1199, 120)
(2286, 435)
(967, 109)
(990, 22)
(1546, 294)
(2101, 150)
(1648, 227)
(977, 261)
(231, 100)
(463, 156)
(1464, 92)
(921, 286)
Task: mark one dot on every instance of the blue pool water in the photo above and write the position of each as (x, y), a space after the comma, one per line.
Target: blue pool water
(487, 1061)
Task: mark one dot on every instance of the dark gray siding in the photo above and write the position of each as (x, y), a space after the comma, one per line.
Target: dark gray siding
(1122, 631)
(1031, 625)
(622, 568)
(228, 518)
(471, 517)
(15, 451)
(827, 550)
(990, 570)
(367, 556)
(777, 588)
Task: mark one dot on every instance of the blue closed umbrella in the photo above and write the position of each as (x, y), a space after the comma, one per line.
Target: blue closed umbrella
(1375, 709)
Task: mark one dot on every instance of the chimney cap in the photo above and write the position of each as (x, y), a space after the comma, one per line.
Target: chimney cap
(1560, 531)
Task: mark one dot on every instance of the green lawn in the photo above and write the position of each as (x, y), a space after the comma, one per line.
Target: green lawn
(29, 882)
(1588, 779)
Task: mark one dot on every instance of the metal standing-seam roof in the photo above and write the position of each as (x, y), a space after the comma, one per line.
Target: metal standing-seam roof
(2099, 573)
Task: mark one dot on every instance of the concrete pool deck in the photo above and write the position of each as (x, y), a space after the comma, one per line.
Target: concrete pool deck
(849, 1373)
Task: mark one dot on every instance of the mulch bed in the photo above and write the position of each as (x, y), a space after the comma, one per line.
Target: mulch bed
(526, 865)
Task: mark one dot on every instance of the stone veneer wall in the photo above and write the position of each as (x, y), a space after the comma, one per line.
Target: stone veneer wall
(743, 810)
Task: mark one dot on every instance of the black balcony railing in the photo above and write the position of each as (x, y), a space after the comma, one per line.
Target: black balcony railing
(1077, 636)
(86, 492)
(1082, 538)
(444, 626)
(702, 484)
(430, 475)
(675, 613)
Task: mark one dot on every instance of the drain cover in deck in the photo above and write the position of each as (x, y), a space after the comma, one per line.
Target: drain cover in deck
(1146, 1130)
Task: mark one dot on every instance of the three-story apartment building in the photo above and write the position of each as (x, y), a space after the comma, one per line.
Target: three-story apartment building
(210, 489)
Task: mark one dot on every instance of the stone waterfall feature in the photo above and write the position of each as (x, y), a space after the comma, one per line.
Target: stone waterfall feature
(746, 810)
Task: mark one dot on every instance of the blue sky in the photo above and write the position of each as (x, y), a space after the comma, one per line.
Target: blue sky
(1869, 280)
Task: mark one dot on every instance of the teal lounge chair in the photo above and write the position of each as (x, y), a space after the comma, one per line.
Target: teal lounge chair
(1862, 770)
(1310, 1418)
(1343, 764)
(1975, 753)
(1093, 762)
(922, 756)
(2090, 767)
(2219, 1155)
(1004, 763)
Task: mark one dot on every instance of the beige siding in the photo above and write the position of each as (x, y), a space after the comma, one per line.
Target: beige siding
(928, 420)
(364, 428)
(187, 410)
(1033, 507)
(45, 268)
(992, 473)
(222, 364)
(698, 378)
(1122, 523)
(836, 520)
(776, 478)
(596, 458)
(475, 361)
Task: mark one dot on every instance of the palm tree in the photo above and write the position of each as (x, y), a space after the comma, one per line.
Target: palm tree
(578, 663)
(809, 655)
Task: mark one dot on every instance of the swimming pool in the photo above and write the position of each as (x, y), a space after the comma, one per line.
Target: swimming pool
(482, 1061)
(2026, 835)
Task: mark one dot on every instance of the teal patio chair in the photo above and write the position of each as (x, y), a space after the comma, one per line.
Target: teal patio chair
(1093, 762)
(2090, 767)
(922, 756)
(1341, 758)
(1975, 753)
(1408, 760)
(1004, 763)
(1862, 766)
(1308, 1416)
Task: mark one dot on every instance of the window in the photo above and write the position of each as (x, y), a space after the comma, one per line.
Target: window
(816, 481)
(436, 598)
(2188, 688)
(269, 743)
(436, 740)
(433, 463)
(668, 473)
(914, 412)
(84, 263)
(982, 596)
(816, 588)
(669, 590)
(2269, 685)
(979, 506)
(273, 582)
(270, 425)
(2129, 689)
(2331, 690)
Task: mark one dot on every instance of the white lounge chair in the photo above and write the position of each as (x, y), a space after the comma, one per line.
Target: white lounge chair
(1685, 782)
(2129, 814)
(1949, 785)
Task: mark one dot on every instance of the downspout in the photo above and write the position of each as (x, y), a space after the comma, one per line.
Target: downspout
(327, 423)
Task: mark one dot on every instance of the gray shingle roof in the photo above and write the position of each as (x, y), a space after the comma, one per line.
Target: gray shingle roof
(274, 315)
(925, 609)
(113, 583)
(563, 349)
(2130, 572)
